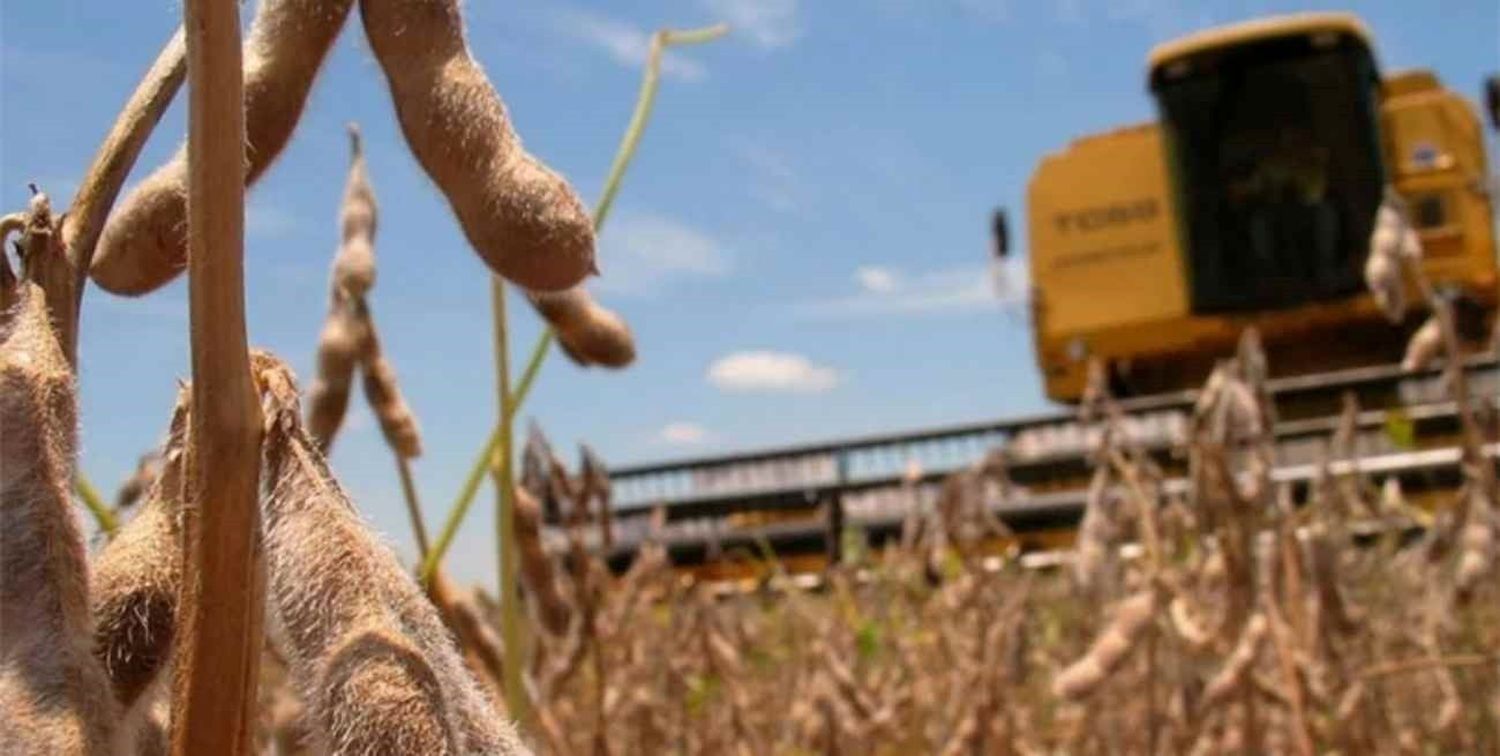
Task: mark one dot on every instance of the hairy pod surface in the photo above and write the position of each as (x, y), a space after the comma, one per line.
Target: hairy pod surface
(354, 265)
(1109, 650)
(144, 243)
(378, 695)
(1476, 556)
(54, 697)
(523, 219)
(333, 586)
(1237, 666)
(137, 578)
(339, 347)
(147, 470)
(536, 566)
(588, 333)
(379, 379)
(1425, 346)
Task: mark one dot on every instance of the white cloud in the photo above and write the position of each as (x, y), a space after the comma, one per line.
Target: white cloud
(682, 434)
(626, 44)
(884, 291)
(771, 372)
(767, 23)
(877, 279)
(642, 253)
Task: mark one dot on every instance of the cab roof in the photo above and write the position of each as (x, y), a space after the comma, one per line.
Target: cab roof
(1257, 30)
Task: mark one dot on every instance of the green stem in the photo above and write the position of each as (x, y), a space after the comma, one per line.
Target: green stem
(644, 102)
(475, 477)
(103, 516)
(516, 699)
(623, 156)
(528, 376)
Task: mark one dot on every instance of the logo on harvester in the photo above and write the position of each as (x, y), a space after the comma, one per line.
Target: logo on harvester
(1096, 218)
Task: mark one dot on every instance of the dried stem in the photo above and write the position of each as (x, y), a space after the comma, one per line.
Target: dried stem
(117, 155)
(413, 507)
(218, 645)
(63, 249)
(1404, 666)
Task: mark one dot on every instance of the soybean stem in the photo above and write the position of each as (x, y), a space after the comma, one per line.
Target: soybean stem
(505, 524)
(413, 507)
(644, 102)
(1429, 662)
(117, 154)
(103, 516)
(218, 641)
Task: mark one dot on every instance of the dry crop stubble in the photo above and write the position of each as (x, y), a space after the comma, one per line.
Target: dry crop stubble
(1279, 632)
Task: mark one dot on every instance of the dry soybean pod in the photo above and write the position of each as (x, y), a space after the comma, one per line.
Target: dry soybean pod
(537, 567)
(1232, 674)
(377, 694)
(137, 577)
(1097, 531)
(482, 650)
(379, 380)
(144, 243)
(592, 469)
(1476, 543)
(53, 692)
(523, 219)
(147, 470)
(1425, 346)
(588, 333)
(358, 632)
(339, 346)
(1109, 650)
(354, 265)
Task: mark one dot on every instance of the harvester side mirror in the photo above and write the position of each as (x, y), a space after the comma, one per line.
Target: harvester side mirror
(999, 234)
(1492, 100)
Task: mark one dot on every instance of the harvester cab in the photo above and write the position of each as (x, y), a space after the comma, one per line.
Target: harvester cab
(1273, 145)
(1251, 201)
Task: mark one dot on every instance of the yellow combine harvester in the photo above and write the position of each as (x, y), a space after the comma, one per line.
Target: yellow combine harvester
(1251, 201)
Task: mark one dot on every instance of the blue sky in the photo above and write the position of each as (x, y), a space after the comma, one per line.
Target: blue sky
(800, 247)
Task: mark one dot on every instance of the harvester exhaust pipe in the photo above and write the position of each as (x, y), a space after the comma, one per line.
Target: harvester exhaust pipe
(1492, 100)
(999, 234)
